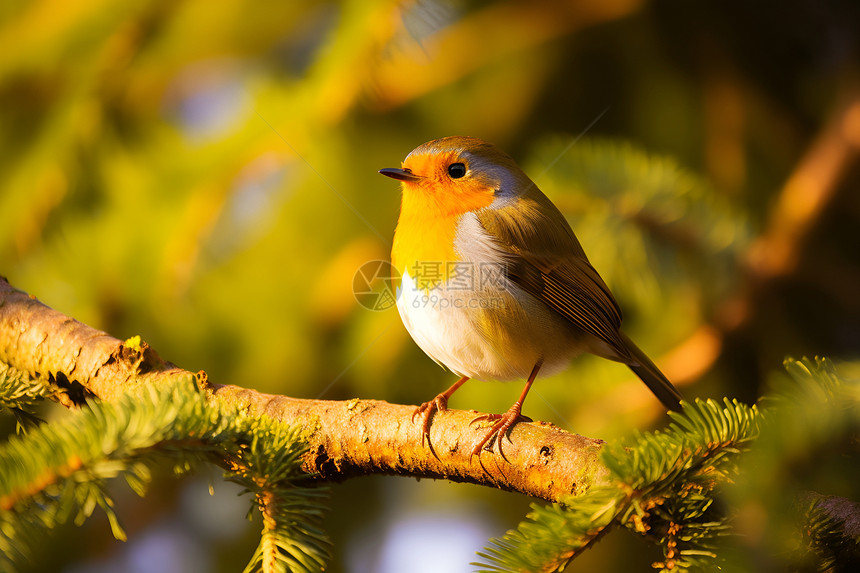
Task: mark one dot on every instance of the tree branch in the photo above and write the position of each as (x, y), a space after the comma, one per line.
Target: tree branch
(347, 438)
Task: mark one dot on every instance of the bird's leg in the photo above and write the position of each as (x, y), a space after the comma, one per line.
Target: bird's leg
(437, 404)
(504, 422)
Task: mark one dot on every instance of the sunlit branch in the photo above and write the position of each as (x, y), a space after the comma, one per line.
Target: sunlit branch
(346, 438)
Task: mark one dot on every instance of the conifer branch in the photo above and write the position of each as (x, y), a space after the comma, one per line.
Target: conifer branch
(832, 530)
(662, 486)
(58, 471)
(346, 438)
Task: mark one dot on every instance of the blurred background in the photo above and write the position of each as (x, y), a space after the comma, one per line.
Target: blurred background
(203, 174)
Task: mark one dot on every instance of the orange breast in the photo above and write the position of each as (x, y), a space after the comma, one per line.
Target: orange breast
(424, 247)
(424, 238)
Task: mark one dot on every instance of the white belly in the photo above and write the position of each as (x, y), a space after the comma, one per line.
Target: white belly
(487, 334)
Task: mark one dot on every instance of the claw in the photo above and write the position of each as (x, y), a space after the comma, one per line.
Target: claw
(504, 422)
(428, 409)
(500, 429)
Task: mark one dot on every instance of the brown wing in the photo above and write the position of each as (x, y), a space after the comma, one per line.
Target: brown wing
(551, 266)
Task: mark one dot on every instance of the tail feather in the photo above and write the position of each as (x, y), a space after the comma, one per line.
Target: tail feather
(648, 372)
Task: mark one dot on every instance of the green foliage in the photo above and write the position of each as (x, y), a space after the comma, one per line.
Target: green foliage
(19, 393)
(551, 536)
(667, 484)
(59, 471)
(831, 533)
(805, 459)
(662, 486)
(291, 538)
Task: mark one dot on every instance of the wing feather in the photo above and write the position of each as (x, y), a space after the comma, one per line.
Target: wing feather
(551, 266)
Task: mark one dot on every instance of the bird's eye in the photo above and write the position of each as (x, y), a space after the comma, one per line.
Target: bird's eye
(456, 170)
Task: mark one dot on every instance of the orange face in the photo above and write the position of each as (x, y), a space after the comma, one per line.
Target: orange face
(445, 187)
(442, 180)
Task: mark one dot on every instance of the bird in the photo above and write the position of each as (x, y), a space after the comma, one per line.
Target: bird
(493, 283)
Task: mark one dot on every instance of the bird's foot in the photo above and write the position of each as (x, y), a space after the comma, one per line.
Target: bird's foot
(426, 412)
(501, 427)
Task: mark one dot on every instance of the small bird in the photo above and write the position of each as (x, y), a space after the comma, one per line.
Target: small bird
(494, 284)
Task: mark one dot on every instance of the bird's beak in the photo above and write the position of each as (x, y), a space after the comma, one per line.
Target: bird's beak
(400, 174)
